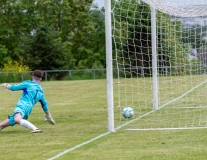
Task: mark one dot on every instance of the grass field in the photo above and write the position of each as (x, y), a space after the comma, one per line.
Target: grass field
(80, 111)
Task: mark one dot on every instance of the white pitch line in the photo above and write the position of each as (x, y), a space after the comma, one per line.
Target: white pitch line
(89, 141)
(78, 146)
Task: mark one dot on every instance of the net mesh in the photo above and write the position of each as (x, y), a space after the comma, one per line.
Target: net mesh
(181, 33)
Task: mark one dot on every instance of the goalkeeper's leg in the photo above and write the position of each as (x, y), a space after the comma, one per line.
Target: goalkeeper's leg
(4, 124)
(23, 123)
(18, 119)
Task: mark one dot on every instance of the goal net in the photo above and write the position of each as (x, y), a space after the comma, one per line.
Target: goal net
(160, 55)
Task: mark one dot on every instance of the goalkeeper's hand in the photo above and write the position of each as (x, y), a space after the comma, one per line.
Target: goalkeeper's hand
(6, 85)
(49, 119)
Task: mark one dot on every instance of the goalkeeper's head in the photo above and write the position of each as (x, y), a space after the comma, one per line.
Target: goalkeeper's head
(37, 75)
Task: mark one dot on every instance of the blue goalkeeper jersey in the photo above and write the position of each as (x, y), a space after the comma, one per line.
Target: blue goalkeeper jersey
(32, 93)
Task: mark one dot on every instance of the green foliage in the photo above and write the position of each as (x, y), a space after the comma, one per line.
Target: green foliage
(88, 47)
(78, 32)
(130, 34)
(44, 50)
(171, 51)
(194, 36)
(3, 55)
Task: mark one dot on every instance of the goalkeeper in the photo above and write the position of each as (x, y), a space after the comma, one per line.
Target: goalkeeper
(32, 93)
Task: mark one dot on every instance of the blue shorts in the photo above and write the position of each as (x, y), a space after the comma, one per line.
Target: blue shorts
(16, 110)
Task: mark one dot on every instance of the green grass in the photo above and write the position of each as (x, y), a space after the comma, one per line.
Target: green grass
(80, 111)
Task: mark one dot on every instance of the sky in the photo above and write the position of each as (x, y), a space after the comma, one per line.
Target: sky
(101, 3)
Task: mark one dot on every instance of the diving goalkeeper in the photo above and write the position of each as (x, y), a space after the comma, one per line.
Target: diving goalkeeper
(32, 93)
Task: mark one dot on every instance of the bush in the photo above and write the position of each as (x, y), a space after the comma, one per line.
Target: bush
(14, 72)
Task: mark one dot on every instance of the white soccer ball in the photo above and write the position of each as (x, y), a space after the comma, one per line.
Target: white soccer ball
(127, 112)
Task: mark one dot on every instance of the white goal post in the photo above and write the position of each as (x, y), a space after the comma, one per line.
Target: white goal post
(160, 55)
(109, 66)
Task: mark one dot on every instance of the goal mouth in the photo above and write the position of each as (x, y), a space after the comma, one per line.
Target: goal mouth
(160, 56)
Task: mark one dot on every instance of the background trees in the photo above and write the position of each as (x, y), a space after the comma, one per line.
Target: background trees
(43, 49)
(49, 34)
(67, 34)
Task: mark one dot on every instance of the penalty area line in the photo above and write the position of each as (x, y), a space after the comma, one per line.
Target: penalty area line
(78, 146)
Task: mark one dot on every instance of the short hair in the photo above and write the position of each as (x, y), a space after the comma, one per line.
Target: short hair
(38, 73)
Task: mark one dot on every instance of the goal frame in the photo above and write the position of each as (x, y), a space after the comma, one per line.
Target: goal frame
(109, 66)
(109, 63)
(153, 9)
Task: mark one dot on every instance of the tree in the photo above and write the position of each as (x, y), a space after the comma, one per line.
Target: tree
(194, 36)
(12, 24)
(98, 36)
(91, 52)
(3, 55)
(72, 20)
(43, 50)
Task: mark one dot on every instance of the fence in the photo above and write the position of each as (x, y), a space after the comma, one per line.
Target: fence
(50, 74)
(101, 73)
